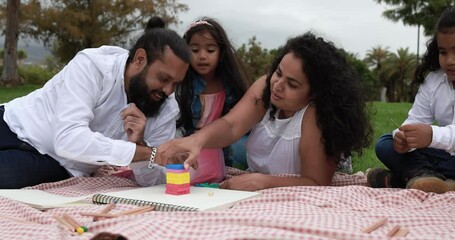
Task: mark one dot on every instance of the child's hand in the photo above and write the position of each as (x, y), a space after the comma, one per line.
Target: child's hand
(399, 142)
(418, 135)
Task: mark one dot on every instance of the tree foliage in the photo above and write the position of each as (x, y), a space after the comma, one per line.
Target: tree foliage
(256, 59)
(375, 59)
(417, 12)
(393, 72)
(364, 73)
(68, 26)
(399, 71)
(21, 55)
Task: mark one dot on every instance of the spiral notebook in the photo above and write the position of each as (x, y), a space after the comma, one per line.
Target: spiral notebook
(199, 198)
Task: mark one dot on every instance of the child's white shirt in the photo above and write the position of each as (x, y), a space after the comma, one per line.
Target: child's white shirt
(435, 101)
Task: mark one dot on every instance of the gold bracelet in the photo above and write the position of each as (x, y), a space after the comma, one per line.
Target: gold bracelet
(152, 157)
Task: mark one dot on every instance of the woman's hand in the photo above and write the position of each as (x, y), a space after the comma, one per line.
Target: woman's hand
(246, 182)
(180, 150)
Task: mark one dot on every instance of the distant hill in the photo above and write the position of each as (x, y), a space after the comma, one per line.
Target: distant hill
(36, 52)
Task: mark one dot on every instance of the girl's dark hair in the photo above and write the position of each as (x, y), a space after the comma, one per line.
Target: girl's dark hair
(430, 60)
(229, 69)
(338, 96)
(155, 38)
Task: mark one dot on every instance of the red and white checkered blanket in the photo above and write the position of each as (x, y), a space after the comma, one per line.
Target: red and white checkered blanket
(336, 212)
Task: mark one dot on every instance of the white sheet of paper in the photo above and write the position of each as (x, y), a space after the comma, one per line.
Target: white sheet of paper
(41, 199)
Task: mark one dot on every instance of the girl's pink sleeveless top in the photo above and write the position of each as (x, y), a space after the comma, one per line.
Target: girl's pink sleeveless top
(211, 161)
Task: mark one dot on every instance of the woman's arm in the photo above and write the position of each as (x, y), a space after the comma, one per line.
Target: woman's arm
(316, 167)
(221, 132)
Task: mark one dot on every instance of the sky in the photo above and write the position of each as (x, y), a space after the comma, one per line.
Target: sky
(355, 25)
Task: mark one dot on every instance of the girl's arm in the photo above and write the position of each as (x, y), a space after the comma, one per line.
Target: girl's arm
(221, 132)
(316, 168)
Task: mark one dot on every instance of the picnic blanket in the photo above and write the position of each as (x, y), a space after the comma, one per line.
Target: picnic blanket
(339, 211)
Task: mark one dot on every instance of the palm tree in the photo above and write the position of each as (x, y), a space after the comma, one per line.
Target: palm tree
(399, 71)
(375, 59)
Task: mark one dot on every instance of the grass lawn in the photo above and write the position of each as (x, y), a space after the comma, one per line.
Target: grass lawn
(7, 94)
(384, 117)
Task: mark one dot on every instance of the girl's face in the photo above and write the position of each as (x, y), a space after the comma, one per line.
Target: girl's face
(289, 86)
(206, 53)
(446, 45)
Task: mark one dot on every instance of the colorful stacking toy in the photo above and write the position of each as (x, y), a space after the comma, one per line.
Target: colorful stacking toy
(177, 179)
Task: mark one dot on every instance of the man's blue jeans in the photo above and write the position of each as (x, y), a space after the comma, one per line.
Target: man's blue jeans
(401, 165)
(21, 165)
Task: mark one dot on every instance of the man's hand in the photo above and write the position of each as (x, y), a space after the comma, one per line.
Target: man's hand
(134, 123)
(417, 135)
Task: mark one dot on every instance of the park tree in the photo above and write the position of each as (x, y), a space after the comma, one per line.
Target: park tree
(364, 73)
(423, 13)
(68, 26)
(255, 59)
(398, 73)
(418, 13)
(21, 56)
(10, 76)
(375, 59)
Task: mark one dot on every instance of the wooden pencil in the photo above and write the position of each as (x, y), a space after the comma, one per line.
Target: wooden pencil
(138, 210)
(98, 215)
(17, 219)
(402, 232)
(63, 222)
(105, 210)
(108, 208)
(375, 225)
(393, 231)
(134, 210)
(71, 221)
(142, 210)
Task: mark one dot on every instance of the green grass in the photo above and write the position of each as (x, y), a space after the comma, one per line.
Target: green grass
(6, 94)
(383, 117)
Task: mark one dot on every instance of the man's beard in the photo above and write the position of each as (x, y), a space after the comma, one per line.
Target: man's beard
(139, 95)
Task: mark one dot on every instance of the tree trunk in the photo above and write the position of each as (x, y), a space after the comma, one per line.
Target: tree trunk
(390, 92)
(10, 76)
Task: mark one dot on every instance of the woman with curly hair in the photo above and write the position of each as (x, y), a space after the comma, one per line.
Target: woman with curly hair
(304, 116)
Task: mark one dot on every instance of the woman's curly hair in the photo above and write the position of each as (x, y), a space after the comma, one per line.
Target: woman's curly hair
(338, 96)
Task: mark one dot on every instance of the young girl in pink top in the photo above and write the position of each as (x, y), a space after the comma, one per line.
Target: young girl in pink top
(214, 83)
